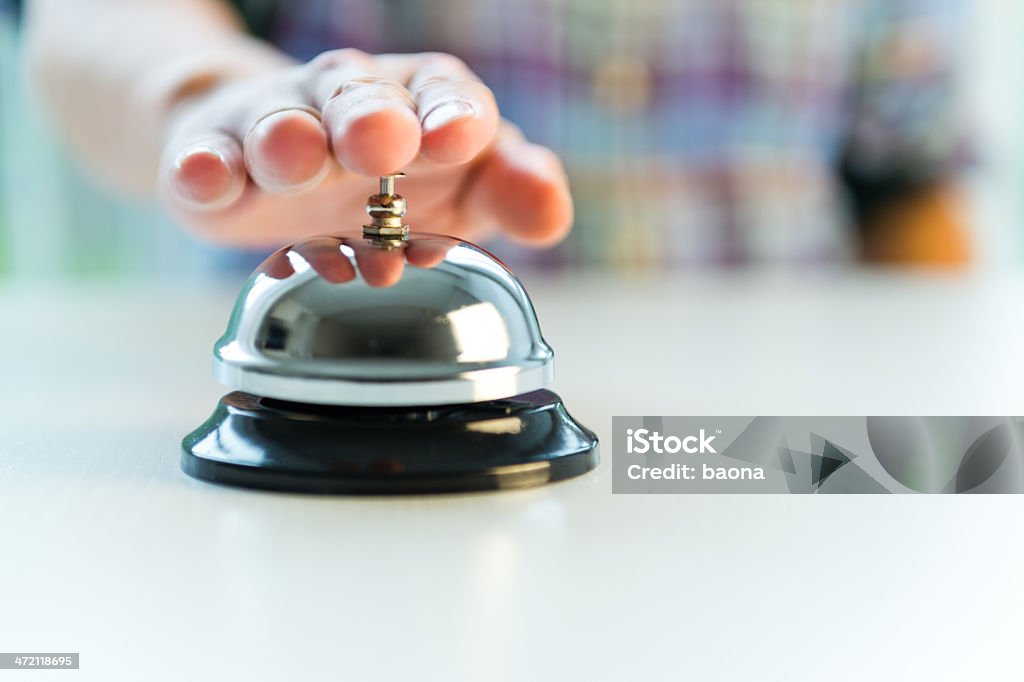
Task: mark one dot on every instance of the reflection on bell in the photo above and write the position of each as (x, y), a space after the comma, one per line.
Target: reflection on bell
(384, 362)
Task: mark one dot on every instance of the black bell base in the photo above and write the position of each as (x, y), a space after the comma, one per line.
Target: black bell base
(518, 442)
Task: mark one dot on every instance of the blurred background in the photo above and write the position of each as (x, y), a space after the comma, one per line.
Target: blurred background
(930, 89)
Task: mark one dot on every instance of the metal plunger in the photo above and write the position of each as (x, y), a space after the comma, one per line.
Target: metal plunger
(386, 210)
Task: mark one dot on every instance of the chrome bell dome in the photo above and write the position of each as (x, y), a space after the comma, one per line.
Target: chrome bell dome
(380, 362)
(383, 318)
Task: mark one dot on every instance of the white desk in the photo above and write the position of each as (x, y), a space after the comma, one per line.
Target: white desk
(109, 550)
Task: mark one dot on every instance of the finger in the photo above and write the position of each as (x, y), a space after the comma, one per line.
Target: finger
(267, 132)
(277, 265)
(203, 171)
(285, 149)
(458, 113)
(524, 188)
(284, 145)
(324, 255)
(380, 267)
(370, 119)
(426, 252)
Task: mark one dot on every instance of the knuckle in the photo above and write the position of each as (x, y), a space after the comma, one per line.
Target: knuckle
(444, 61)
(366, 87)
(334, 58)
(436, 89)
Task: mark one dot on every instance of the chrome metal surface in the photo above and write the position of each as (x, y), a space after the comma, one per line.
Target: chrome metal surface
(347, 320)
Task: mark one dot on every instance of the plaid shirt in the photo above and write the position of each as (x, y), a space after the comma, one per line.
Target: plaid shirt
(693, 130)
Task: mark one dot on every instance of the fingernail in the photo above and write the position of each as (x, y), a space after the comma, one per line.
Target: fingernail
(211, 181)
(197, 151)
(446, 113)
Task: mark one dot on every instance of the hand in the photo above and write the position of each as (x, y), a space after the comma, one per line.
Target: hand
(270, 159)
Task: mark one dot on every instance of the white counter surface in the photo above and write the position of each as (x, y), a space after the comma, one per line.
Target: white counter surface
(107, 549)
